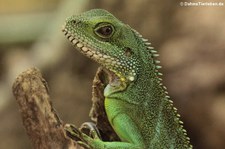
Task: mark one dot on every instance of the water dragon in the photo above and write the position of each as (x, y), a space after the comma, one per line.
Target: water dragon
(136, 102)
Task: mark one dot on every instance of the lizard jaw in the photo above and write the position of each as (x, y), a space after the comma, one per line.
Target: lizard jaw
(103, 59)
(84, 49)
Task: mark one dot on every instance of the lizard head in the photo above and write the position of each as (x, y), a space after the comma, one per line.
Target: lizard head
(103, 38)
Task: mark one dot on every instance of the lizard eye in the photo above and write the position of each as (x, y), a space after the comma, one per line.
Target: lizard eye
(104, 31)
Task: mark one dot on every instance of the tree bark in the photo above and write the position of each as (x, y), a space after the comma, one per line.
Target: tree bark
(42, 124)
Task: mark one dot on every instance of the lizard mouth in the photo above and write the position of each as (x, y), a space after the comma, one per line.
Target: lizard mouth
(100, 57)
(97, 55)
(77, 42)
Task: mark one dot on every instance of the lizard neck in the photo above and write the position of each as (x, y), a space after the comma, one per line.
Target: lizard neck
(147, 87)
(162, 118)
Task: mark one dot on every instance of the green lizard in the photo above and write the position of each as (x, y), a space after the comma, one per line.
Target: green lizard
(136, 103)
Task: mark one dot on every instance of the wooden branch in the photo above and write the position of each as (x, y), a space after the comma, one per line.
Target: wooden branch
(42, 124)
(98, 113)
(40, 120)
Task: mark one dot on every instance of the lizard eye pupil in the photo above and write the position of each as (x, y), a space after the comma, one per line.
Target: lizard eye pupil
(105, 31)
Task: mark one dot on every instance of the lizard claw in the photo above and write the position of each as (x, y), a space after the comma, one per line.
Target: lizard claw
(73, 132)
(84, 135)
(91, 130)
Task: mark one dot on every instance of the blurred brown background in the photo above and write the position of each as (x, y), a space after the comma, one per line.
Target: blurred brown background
(190, 40)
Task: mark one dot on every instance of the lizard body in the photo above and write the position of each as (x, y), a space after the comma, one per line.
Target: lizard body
(137, 105)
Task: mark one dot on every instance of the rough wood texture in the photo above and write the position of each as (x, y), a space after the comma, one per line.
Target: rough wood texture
(42, 124)
(40, 120)
(97, 113)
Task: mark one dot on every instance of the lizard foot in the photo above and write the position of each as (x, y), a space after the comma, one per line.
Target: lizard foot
(90, 129)
(74, 133)
(87, 133)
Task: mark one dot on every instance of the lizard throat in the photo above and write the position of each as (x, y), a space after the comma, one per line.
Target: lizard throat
(110, 63)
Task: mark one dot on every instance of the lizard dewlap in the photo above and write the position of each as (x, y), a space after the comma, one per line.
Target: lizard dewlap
(136, 103)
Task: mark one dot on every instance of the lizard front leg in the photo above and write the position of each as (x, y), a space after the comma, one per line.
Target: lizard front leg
(123, 125)
(129, 134)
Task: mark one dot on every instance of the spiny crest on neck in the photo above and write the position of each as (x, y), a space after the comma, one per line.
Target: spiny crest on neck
(153, 55)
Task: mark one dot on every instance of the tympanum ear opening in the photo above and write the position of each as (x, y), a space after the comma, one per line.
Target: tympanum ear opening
(128, 52)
